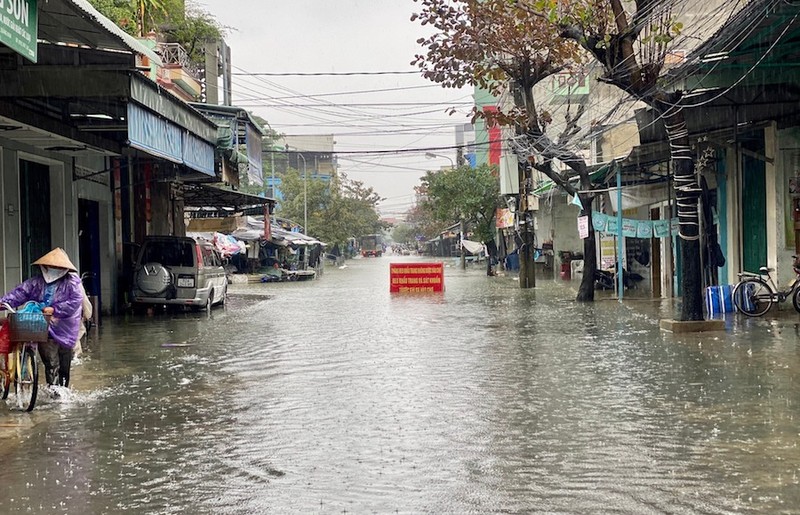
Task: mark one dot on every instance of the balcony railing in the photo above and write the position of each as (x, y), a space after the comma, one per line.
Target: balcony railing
(173, 54)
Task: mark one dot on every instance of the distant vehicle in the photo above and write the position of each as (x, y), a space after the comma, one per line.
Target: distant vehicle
(178, 270)
(371, 245)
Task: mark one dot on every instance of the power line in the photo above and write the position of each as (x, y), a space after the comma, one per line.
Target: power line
(372, 104)
(354, 92)
(323, 74)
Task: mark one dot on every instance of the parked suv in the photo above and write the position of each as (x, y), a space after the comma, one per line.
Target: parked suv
(178, 270)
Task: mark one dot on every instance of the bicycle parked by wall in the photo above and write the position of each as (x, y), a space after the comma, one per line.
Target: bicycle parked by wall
(26, 330)
(754, 295)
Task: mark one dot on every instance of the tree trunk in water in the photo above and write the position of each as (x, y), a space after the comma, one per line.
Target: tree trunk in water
(463, 229)
(586, 289)
(686, 196)
(491, 254)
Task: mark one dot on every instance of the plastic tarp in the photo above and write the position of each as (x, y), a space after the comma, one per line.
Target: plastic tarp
(248, 234)
(228, 245)
(473, 247)
(636, 196)
(294, 238)
(254, 230)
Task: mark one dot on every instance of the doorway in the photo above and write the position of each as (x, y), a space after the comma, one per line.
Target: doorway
(754, 214)
(34, 208)
(655, 253)
(89, 244)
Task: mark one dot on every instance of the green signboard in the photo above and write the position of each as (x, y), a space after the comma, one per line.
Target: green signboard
(19, 26)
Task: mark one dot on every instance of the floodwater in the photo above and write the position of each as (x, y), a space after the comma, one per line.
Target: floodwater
(333, 396)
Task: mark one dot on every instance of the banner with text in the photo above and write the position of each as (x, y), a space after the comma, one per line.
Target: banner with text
(416, 277)
(645, 229)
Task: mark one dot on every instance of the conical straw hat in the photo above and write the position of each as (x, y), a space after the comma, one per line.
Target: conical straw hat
(57, 258)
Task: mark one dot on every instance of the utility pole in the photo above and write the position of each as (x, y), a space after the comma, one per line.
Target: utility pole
(527, 264)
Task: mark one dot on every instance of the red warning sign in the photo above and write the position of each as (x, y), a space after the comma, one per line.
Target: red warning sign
(416, 277)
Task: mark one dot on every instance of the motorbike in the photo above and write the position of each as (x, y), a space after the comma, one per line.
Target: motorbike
(607, 279)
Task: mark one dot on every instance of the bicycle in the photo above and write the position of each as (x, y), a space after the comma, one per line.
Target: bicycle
(754, 296)
(26, 331)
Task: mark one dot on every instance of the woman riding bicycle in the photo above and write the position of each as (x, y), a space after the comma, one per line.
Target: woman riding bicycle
(59, 292)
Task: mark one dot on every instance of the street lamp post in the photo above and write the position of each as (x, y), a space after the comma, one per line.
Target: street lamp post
(272, 171)
(305, 190)
(305, 194)
(431, 155)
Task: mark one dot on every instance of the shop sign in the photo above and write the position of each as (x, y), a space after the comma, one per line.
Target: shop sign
(19, 27)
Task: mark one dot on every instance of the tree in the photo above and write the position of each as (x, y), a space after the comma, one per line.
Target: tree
(464, 195)
(122, 13)
(630, 39)
(494, 45)
(182, 23)
(425, 226)
(404, 233)
(193, 29)
(337, 210)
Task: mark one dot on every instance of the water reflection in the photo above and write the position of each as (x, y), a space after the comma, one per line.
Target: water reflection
(334, 396)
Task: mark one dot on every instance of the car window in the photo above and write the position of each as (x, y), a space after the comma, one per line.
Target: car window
(169, 253)
(208, 256)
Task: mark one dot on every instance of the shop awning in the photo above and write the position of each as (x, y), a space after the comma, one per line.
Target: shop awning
(293, 238)
(237, 127)
(199, 195)
(77, 22)
(601, 171)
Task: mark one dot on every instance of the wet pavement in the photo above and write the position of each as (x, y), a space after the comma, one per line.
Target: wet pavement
(332, 396)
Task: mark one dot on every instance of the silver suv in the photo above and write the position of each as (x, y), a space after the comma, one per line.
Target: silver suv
(179, 270)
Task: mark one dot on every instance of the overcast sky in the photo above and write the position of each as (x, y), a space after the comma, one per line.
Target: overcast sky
(344, 36)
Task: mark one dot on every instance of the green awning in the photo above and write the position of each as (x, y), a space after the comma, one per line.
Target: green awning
(547, 185)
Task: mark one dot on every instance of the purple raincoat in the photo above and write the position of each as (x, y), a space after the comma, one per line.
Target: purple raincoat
(67, 305)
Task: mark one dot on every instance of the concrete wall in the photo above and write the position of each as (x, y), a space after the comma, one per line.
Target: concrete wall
(557, 221)
(98, 189)
(64, 195)
(62, 205)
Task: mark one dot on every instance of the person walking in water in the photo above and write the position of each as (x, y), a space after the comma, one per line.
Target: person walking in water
(58, 291)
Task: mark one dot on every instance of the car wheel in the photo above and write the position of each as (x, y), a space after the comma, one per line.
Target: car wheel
(223, 296)
(153, 278)
(209, 302)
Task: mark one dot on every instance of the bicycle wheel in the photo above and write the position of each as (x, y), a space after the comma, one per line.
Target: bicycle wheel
(796, 299)
(26, 383)
(6, 377)
(753, 297)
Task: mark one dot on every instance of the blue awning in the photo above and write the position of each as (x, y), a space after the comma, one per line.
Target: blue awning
(161, 138)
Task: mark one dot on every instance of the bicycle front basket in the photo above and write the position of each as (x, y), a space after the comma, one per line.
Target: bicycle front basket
(27, 327)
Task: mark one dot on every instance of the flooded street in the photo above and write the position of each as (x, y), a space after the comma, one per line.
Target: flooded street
(332, 396)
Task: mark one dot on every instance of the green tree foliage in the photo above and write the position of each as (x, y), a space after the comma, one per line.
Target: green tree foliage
(404, 233)
(463, 193)
(337, 210)
(121, 12)
(176, 20)
(425, 226)
(193, 30)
